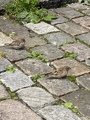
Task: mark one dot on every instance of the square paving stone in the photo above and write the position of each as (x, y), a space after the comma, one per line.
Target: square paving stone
(84, 37)
(81, 99)
(58, 87)
(84, 81)
(72, 28)
(57, 112)
(82, 50)
(4, 39)
(84, 21)
(49, 52)
(41, 28)
(35, 97)
(3, 93)
(59, 38)
(3, 64)
(33, 67)
(16, 80)
(15, 110)
(68, 12)
(76, 67)
(14, 55)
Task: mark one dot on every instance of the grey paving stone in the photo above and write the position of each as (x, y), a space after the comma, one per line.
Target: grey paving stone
(82, 50)
(84, 81)
(84, 21)
(14, 55)
(58, 87)
(35, 97)
(3, 64)
(87, 62)
(72, 28)
(84, 118)
(81, 99)
(84, 37)
(76, 67)
(41, 28)
(60, 19)
(2, 2)
(86, 12)
(57, 112)
(14, 110)
(4, 39)
(3, 93)
(49, 52)
(68, 12)
(59, 38)
(33, 67)
(16, 80)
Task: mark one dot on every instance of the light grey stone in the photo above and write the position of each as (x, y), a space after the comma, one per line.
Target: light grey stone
(35, 97)
(76, 67)
(16, 80)
(3, 64)
(48, 51)
(41, 28)
(87, 62)
(82, 50)
(33, 67)
(57, 112)
(14, 110)
(72, 28)
(81, 99)
(86, 12)
(58, 87)
(84, 21)
(84, 81)
(3, 93)
(59, 38)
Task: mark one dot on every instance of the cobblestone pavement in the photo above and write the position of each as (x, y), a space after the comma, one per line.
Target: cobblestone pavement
(23, 98)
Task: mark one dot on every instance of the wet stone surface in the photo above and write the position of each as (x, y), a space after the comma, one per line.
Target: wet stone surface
(48, 52)
(58, 87)
(15, 110)
(57, 112)
(76, 67)
(82, 50)
(16, 80)
(33, 67)
(59, 38)
(35, 97)
(81, 99)
(84, 81)
(75, 30)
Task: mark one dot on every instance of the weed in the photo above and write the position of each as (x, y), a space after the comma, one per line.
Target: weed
(36, 77)
(71, 54)
(10, 69)
(72, 78)
(2, 55)
(0, 82)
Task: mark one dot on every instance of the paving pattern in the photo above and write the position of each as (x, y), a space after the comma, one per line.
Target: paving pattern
(24, 98)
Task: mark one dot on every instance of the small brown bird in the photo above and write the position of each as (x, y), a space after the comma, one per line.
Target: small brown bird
(59, 73)
(17, 44)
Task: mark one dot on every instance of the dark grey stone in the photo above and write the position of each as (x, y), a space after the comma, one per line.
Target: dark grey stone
(59, 38)
(16, 80)
(35, 97)
(81, 99)
(84, 81)
(49, 51)
(33, 67)
(72, 28)
(58, 87)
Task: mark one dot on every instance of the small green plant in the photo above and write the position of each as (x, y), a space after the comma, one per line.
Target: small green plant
(2, 55)
(87, 2)
(0, 82)
(10, 69)
(72, 78)
(70, 54)
(36, 77)
(37, 55)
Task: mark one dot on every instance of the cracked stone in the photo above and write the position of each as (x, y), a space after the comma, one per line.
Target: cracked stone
(16, 80)
(58, 87)
(48, 52)
(76, 67)
(59, 38)
(35, 97)
(75, 30)
(41, 28)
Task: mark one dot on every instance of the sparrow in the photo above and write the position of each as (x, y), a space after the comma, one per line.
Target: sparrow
(59, 73)
(17, 44)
